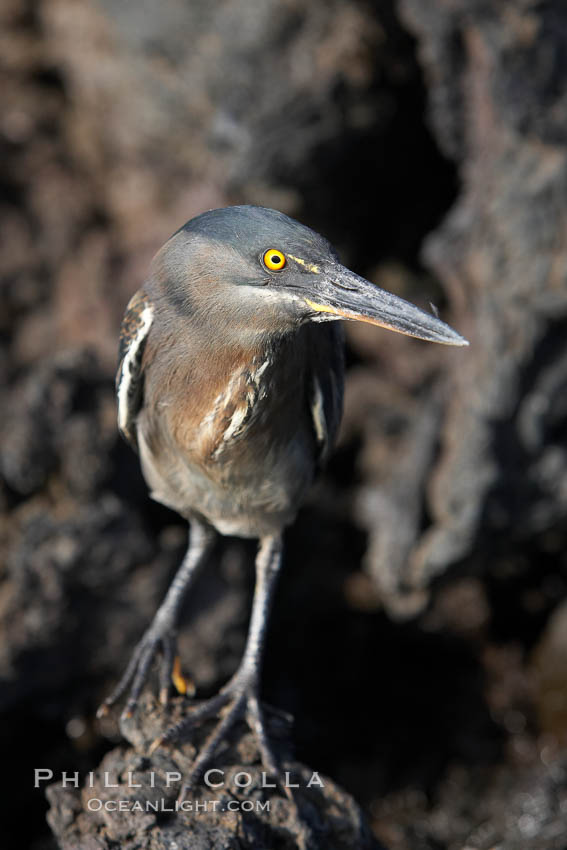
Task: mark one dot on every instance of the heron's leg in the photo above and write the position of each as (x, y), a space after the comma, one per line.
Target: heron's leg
(162, 631)
(241, 693)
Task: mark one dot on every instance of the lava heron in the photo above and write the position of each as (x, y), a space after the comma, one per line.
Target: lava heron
(230, 387)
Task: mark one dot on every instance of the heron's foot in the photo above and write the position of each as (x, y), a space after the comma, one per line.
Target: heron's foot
(238, 700)
(138, 669)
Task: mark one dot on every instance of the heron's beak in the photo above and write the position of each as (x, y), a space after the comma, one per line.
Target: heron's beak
(340, 293)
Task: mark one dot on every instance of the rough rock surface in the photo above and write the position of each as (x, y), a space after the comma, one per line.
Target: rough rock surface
(240, 811)
(497, 77)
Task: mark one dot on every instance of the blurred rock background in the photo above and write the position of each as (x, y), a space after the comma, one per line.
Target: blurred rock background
(420, 632)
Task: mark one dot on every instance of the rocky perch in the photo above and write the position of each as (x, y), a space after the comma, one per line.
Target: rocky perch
(133, 799)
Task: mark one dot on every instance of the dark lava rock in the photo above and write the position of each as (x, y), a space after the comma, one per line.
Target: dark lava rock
(130, 800)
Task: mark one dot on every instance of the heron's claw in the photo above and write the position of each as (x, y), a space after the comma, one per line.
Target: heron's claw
(236, 701)
(183, 684)
(138, 669)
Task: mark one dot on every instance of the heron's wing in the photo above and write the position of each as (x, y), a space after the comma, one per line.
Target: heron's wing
(134, 332)
(326, 399)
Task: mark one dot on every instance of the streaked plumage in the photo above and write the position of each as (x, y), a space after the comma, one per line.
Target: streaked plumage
(205, 430)
(134, 332)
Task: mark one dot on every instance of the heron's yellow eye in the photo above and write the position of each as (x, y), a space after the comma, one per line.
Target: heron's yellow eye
(274, 259)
